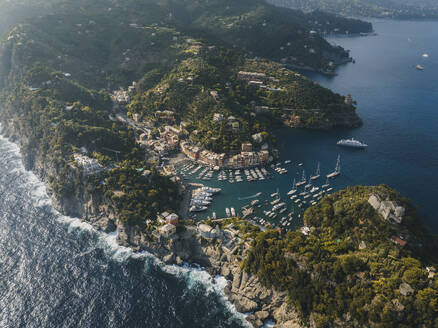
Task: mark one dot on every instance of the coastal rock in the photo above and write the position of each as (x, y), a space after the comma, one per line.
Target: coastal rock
(286, 316)
(261, 315)
(169, 259)
(179, 261)
(405, 289)
(225, 271)
(243, 304)
(256, 323)
(288, 324)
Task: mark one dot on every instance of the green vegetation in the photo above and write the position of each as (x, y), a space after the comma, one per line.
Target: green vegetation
(205, 82)
(136, 197)
(402, 9)
(328, 276)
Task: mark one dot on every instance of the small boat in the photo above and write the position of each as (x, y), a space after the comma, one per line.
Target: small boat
(288, 161)
(317, 173)
(227, 211)
(275, 201)
(419, 67)
(233, 211)
(303, 180)
(425, 55)
(197, 208)
(337, 169)
(308, 186)
(294, 189)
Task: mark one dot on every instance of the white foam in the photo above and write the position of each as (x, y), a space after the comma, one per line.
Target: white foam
(105, 241)
(195, 275)
(269, 324)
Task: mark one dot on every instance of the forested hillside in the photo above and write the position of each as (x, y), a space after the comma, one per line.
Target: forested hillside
(351, 269)
(399, 9)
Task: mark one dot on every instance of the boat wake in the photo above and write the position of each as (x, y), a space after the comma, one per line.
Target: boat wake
(250, 197)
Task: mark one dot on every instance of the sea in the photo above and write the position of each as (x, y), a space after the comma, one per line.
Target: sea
(56, 271)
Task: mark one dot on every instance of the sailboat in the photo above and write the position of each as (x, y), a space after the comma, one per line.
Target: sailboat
(294, 188)
(309, 185)
(337, 169)
(326, 185)
(303, 180)
(317, 173)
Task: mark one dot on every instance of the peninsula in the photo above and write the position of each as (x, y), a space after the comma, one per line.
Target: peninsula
(99, 94)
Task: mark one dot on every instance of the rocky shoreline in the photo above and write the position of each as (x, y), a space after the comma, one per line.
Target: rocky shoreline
(243, 290)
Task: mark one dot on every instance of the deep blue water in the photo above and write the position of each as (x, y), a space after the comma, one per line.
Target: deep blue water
(399, 107)
(57, 272)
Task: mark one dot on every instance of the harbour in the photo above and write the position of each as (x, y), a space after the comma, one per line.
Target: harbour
(273, 204)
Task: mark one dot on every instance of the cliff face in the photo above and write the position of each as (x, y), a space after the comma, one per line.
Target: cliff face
(244, 290)
(89, 207)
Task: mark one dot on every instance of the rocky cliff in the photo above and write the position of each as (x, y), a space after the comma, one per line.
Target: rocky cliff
(243, 290)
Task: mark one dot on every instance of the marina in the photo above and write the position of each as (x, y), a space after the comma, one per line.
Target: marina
(277, 200)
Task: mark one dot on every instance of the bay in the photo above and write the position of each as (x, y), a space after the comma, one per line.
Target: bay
(399, 108)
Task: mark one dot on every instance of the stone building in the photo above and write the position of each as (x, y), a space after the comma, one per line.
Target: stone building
(389, 210)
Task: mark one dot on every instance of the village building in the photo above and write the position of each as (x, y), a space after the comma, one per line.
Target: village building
(249, 76)
(258, 137)
(161, 217)
(398, 241)
(389, 210)
(167, 230)
(217, 117)
(209, 232)
(246, 147)
(348, 100)
(172, 219)
(190, 151)
(235, 126)
(431, 272)
(88, 165)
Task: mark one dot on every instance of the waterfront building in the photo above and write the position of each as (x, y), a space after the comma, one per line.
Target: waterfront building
(246, 147)
(348, 100)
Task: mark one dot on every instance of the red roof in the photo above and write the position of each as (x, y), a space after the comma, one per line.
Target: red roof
(399, 241)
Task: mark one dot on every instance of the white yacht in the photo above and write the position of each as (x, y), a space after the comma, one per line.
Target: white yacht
(353, 143)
